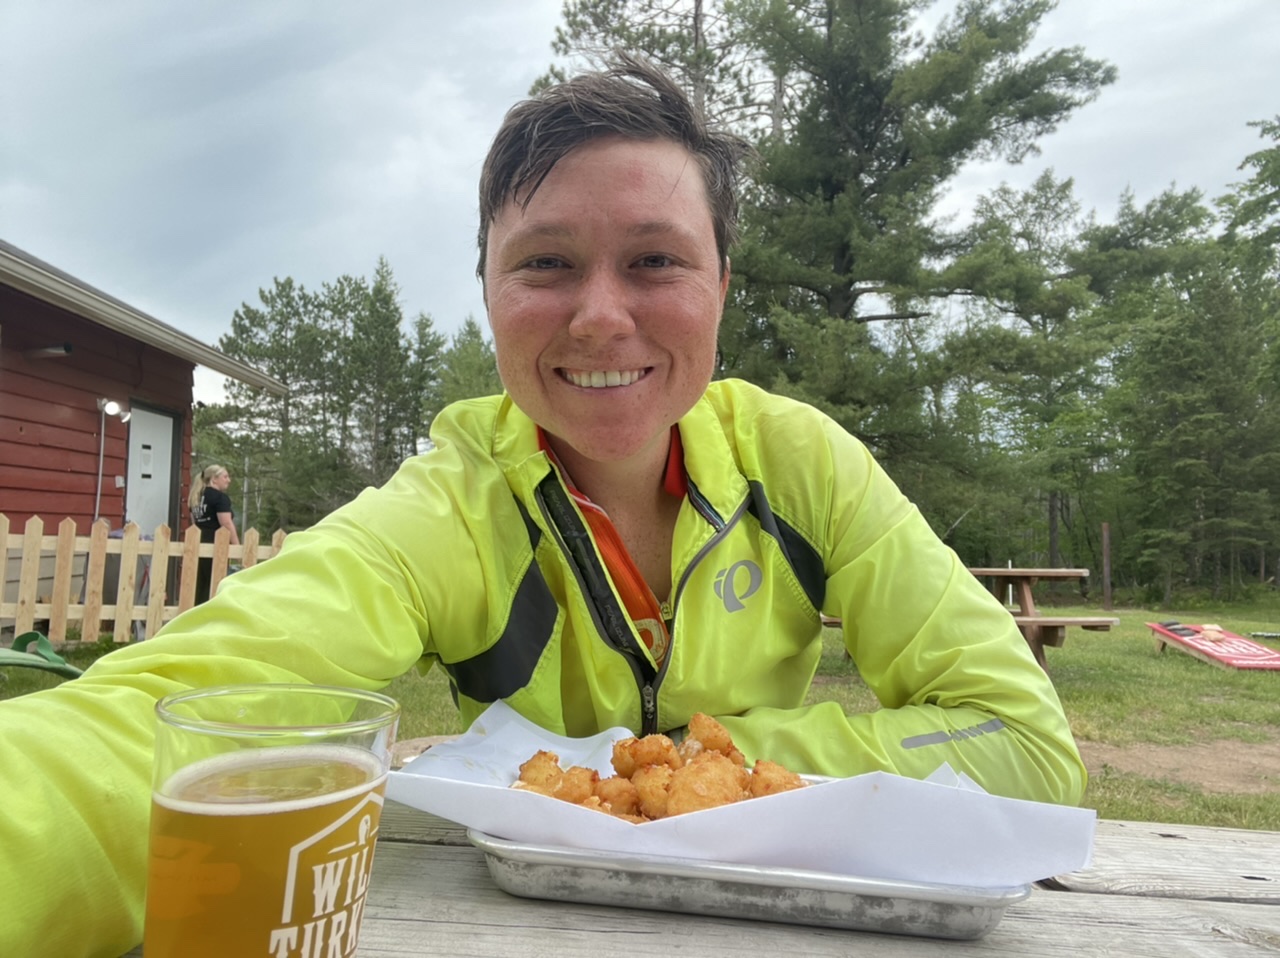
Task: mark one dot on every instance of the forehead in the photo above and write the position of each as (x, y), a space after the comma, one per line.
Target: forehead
(617, 165)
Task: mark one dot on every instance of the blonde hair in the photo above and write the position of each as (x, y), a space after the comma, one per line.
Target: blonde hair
(202, 482)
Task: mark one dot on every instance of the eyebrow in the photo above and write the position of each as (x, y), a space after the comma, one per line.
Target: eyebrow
(560, 231)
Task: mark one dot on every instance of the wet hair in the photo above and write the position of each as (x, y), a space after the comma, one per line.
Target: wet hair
(207, 475)
(629, 98)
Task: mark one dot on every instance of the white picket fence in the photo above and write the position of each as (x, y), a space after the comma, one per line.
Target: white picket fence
(61, 577)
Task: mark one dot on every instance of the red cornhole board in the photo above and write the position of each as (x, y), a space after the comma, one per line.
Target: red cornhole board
(1230, 652)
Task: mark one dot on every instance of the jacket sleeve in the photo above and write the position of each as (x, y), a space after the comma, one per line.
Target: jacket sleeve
(76, 759)
(956, 681)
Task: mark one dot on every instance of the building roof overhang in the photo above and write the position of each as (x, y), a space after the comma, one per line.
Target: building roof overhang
(49, 284)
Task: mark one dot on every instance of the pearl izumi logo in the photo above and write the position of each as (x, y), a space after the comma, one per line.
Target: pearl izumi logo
(733, 586)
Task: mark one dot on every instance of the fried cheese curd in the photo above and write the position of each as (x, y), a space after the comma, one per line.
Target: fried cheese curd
(655, 778)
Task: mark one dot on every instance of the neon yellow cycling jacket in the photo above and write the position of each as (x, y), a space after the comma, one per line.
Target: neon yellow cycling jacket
(474, 557)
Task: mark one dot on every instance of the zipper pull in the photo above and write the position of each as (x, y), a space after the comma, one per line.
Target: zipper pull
(649, 703)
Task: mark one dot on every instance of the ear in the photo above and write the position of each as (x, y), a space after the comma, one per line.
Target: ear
(725, 275)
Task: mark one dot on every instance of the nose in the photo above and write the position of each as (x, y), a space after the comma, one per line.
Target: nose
(604, 306)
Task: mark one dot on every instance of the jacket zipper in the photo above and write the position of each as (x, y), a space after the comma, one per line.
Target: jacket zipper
(611, 620)
(669, 609)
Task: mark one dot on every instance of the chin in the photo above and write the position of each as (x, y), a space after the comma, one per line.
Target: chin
(609, 445)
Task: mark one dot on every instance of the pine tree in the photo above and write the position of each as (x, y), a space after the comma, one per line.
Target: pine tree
(469, 368)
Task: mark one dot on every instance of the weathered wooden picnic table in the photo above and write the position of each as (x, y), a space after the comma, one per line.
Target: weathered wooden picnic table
(1153, 890)
(1014, 587)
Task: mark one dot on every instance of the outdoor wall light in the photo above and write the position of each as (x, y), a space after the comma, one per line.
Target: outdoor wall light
(109, 407)
(48, 352)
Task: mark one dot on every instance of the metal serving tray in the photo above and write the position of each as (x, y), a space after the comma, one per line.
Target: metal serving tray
(744, 891)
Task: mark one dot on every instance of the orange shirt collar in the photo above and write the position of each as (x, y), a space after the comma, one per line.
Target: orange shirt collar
(675, 481)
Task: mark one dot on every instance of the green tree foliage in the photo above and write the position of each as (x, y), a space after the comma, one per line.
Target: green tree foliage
(1253, 209)
(385, 405)
(1038, 357)
(285, 338)
(867, 121)
(1198, 422)
(361, 392)
(693, 40)
(426, 381)
(470, 368)
(1026, 376)
(844, 260)
(842, 223)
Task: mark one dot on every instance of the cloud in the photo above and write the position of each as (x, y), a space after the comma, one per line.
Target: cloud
(1191, 77)
(181, 155)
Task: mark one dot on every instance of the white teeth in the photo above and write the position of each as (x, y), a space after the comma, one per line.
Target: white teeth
(599, 379)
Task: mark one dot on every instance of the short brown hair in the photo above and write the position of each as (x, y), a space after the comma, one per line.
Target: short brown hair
(629, 98)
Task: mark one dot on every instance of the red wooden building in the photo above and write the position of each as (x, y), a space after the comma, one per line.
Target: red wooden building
(95, 402)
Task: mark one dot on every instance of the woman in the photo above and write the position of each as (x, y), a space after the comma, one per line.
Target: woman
(614, 541)
(211, 511)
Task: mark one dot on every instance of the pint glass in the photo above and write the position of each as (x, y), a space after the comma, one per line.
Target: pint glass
(265, 805)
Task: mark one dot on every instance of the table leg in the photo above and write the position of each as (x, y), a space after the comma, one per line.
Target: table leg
(1022, 593)
(1004, 589)
(1035, 640)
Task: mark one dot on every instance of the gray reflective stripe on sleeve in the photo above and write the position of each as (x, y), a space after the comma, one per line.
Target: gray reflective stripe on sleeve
(506, 667)
(940, 738)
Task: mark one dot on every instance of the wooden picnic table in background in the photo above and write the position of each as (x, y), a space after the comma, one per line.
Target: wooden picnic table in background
(1153, 889)
(1014, 588)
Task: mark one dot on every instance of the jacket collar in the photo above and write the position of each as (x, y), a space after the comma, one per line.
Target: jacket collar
(709, 458)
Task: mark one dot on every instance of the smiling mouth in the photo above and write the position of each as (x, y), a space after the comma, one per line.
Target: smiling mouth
(603, 379)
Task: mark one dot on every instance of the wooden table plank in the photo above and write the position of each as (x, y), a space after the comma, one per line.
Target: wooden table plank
(982, 571)
(1129, 858)
(431, 895)
(406, 824)
(1157, 860)
(439, 900)
(1014, 586)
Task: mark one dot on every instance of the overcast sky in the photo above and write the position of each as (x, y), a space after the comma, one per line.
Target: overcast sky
(179, 154)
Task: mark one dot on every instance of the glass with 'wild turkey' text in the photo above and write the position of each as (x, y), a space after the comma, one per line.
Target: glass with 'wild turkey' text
(265, 806)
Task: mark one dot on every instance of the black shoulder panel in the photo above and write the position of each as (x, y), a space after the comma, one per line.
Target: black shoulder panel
(804, 560)
(507, 666)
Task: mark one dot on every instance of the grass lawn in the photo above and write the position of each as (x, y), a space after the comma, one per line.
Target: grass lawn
(1117, 690)
(1114, 686)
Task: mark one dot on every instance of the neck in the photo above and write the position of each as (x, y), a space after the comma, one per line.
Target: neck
(631, 493)
(635, 482)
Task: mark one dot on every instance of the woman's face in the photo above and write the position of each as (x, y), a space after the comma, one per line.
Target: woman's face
(221, 481)
(605, 296)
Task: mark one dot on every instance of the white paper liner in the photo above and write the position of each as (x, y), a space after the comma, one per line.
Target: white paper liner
(946, 830)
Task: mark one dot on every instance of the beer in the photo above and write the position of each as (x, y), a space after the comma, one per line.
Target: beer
(263, 852)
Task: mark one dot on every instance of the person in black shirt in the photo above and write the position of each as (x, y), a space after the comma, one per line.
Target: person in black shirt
(211, 510)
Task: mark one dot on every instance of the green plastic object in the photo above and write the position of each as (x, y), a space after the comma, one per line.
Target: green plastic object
(42, 657)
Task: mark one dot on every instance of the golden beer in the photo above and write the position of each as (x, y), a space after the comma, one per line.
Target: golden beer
(263, 852)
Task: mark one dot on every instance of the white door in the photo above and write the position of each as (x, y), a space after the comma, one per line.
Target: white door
(150, 487)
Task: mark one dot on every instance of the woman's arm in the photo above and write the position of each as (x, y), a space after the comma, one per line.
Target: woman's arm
(337, 606)
(955, 679)
(227, 522)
